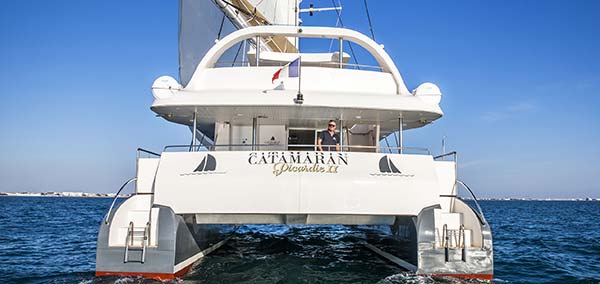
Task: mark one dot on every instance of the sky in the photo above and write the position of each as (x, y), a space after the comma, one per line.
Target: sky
(520, 82)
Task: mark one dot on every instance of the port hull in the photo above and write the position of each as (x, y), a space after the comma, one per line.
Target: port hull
(181, 242)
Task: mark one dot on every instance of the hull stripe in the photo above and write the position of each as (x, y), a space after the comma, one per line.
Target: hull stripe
(148, 275)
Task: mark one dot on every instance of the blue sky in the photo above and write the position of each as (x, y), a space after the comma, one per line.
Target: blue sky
(521, 85)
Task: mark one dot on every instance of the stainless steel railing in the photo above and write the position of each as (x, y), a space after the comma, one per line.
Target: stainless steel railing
(147, 233)
(112, 205)
(141, 151)
(350, 66)
(452, 154)
(479, 212)
(130, 234)
(281, 147)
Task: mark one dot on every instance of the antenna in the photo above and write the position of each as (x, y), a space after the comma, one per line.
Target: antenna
(312, 10)
(444, 144)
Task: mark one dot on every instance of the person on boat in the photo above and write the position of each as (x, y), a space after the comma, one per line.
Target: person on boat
(328, 138)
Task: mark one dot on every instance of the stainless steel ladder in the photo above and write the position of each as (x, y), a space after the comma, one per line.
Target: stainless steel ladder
(458, 244)
(137, 240)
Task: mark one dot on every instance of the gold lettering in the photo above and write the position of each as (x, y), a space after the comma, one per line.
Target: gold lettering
(279, 168)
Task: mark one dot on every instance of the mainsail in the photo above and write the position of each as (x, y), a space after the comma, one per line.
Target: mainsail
(203, 22)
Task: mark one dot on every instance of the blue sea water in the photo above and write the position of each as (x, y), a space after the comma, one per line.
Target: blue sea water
(53, 240)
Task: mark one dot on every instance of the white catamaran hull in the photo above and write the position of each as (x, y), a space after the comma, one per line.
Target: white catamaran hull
(231, 96)
(188, 202)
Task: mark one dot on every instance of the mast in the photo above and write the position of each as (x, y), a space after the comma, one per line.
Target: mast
(297, 21)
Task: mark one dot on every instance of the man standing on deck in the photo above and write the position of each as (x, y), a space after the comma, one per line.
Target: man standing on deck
(328, 138)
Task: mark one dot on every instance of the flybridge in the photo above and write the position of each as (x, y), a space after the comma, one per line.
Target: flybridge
(356, 97)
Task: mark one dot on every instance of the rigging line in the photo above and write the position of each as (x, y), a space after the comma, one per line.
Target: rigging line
(221, 27)
(369, 18)
(179, 39)
(236, 55)
(337, 23)
(349, 44)
(353, 55)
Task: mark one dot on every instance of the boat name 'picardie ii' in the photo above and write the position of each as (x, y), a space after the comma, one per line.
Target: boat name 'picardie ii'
(312, 162)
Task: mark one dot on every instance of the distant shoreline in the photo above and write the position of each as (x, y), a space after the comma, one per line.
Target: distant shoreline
(62, 194)
(112, 195)
(536, 199)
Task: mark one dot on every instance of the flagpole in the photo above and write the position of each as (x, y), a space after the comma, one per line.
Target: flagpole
(299, 74)
(299, 96)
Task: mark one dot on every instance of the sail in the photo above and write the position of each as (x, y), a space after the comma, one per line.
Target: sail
(277, 12)
(203, 22)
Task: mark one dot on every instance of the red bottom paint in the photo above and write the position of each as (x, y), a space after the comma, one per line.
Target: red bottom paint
(182, 272)
(464, 276)
(148, 275)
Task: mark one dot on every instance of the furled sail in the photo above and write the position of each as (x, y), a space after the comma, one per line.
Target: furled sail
(203, 22)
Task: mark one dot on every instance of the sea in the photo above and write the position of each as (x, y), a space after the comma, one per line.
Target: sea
(53, 240)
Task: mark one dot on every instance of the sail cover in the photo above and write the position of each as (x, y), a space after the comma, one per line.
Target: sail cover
(202, 22)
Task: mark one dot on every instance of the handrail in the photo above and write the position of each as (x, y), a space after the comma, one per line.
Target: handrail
(117, 196)
(479, 214)
(461, 236)
(354, 66)
(147, 152)
(130, 234)
(446, 238)
(128, 241)
(212, 147)
(146, 242)
(147, 233)
(453, 153)
(462, 246)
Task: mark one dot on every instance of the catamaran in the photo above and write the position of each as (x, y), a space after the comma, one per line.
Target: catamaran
(255, 103)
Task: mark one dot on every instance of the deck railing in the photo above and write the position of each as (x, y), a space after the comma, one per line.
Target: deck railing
(351, 66)
(296, 147)
(143, 152)
(112, 205)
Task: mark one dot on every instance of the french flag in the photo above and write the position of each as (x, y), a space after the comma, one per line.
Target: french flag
(290, 70)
